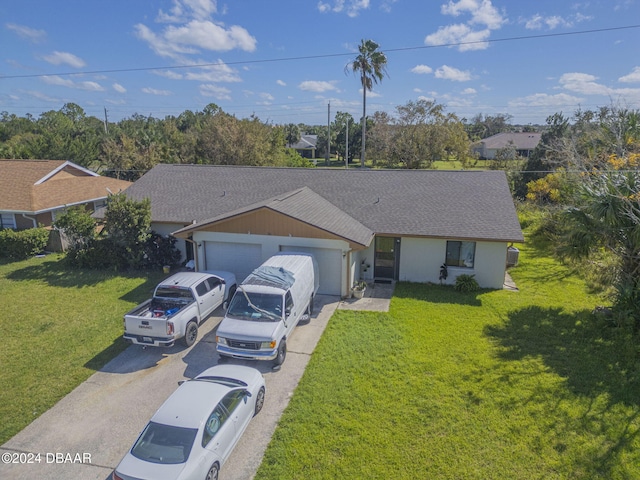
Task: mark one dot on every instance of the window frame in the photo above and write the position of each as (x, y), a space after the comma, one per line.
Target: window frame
(458, 261)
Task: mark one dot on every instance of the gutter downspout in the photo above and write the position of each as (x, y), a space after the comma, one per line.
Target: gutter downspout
(33, 220)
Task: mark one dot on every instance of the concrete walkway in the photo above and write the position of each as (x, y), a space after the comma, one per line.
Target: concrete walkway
(377, 298)
(86, 434)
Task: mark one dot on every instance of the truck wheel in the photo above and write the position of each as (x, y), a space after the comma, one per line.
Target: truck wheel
(282, 353)
(190, 334)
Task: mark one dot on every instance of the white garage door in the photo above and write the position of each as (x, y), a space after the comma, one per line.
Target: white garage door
(239, 258)
(329, 266)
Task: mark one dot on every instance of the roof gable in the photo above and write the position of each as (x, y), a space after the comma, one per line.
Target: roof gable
(303, 205)
(31, 186)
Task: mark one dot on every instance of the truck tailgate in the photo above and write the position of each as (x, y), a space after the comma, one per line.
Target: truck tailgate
(145, 326)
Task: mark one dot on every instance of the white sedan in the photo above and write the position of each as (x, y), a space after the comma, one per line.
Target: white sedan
(194, 431)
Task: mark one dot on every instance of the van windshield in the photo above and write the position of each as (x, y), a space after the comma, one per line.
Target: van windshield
(259, 307)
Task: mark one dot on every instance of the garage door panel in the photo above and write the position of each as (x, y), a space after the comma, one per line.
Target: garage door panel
(329, 266)
(239, 258)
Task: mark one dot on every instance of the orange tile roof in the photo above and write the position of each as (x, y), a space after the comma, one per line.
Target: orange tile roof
(40, 185)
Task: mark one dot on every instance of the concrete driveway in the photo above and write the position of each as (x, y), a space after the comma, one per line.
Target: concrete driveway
(87, 433)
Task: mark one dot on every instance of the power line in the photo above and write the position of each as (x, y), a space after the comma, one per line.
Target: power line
(328, 55)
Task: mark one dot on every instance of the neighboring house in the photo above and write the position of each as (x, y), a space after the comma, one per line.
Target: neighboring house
(370, 224)
(524, 143)
(306, 146)
(33, 192)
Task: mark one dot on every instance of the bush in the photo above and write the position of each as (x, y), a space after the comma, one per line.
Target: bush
(24, 243)
(466, 283)
(160, 251)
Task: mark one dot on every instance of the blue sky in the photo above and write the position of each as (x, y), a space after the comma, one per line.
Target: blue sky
(284, 60)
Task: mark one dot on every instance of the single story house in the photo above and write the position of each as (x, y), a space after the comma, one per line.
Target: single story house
(524, 143)
(366, 224)
(306, 146)
(33, 192)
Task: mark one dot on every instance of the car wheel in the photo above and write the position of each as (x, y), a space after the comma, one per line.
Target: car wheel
(190, 334)
(213, 472)
(282, 353)
(259, 401)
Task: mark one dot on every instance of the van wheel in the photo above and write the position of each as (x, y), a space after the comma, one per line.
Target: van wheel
(190, 334)
(310, 307)
(282, 353)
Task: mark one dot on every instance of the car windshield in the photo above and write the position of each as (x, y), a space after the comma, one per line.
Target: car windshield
(259, 307)
(164, 444)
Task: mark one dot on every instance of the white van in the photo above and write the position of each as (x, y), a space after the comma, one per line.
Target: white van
(267, 306)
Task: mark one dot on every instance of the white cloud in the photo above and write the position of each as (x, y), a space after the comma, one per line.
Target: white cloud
(219, 72)
(446, 72)
(584, 84)
(421, 69)
(465, 35)
(281, 83)
(469, 91)
(210, 36)
(155, 91)
(351, 7)
(31, 34)
(119, 88)
(189, 28)
(482, 12)
(317, 86)
(267, 97)
(632, 77)
(546, 100)
(59, 58)
(65, 82)
(461, 36)
(551, 22)
(219, 93)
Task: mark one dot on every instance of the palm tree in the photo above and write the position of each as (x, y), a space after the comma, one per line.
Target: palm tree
(371, 64)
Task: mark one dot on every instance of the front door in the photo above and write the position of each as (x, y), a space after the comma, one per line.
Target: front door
(387, 258)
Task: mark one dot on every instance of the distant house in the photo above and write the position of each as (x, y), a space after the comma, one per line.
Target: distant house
(33, 192)
(524, 143)
(306, 146)
(382, 225)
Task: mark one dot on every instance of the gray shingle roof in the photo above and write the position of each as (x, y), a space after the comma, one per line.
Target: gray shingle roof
(445, 204)
(521, 140)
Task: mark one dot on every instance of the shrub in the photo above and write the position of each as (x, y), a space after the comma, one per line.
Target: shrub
(466, 283)
(23, 243)
(161, 250)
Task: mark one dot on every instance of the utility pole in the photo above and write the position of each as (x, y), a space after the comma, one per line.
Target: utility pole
(106, 121)
(346, 147)
(327, 158)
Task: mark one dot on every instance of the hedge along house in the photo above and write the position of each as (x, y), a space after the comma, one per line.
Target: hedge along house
(360, 224)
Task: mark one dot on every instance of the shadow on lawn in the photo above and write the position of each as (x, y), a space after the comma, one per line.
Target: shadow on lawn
(593, 358)
(597, 362)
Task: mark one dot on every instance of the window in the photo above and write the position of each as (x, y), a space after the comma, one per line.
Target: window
(214, 422)
(214, 283)
(288, 304)
(461, 254)
(164, 444)
(7, 220)
(202, 288)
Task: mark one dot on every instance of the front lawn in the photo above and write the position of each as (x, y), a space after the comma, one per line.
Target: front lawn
(58, 326)
(492, 385)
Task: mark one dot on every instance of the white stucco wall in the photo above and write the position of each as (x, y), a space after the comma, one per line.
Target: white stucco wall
(420, 260)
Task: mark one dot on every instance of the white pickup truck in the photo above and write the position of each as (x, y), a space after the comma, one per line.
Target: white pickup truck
(178, 306)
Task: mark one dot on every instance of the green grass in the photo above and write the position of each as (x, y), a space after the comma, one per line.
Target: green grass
(58, 326)
(485, 385)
